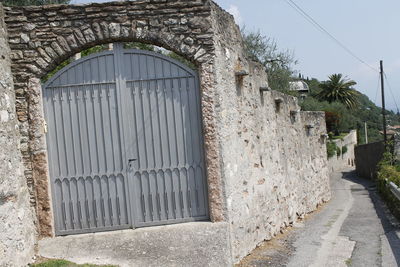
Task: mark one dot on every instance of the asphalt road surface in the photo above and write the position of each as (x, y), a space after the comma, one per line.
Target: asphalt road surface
(353, 229)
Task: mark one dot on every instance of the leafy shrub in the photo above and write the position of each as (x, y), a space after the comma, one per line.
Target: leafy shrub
(391, 173)
(344, 150)
(387, 160)
(338, 151)
(397, 167)
(331, 149)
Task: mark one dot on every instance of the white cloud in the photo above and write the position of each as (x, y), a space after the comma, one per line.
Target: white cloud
(234, 11)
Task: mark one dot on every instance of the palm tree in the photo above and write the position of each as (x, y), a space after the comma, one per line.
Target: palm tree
(339, 89)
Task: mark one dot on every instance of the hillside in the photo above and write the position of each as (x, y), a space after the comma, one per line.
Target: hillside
(340, 119)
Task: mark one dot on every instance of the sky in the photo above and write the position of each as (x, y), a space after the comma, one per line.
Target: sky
(369, 28)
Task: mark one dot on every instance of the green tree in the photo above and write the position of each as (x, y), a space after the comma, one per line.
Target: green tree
(339, 89)
(278, 63)
(34, 2)
(341, 119)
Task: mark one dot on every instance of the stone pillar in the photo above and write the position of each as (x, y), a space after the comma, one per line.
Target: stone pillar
(17, 230)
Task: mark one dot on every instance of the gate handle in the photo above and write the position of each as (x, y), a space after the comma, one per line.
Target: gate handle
(130, 163)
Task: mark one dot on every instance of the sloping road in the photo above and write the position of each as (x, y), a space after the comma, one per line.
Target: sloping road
(353, 229)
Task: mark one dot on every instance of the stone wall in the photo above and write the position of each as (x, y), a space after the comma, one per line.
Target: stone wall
(17, 231)
(337, 163)
(367, 158)
(274, 166)
(266, 162)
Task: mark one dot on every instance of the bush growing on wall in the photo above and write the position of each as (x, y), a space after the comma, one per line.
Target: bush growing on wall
(338, 151)
(278, 63)
(331, 149)
(388, 171)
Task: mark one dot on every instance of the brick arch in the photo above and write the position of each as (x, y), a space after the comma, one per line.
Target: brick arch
(42, 37)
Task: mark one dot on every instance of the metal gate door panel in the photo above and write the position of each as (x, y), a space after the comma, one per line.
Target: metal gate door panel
(165, 140)
(124, 142)
(85, 147)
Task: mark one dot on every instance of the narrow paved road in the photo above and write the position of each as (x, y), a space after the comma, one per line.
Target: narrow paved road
(353, 229)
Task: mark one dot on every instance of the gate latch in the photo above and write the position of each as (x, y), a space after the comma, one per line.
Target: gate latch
(44, 126)
(130, 162)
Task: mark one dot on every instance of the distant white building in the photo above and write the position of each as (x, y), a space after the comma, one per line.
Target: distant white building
(299, 86)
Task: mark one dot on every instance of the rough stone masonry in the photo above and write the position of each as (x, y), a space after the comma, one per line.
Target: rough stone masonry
(266, 160)
(274, 158)
(17, 230)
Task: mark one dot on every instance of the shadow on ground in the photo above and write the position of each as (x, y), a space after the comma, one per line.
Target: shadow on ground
(381, 210)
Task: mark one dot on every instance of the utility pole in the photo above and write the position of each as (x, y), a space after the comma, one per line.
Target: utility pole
(383, 105)
(366, 132)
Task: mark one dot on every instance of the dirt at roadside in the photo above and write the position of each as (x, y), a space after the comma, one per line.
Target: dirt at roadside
(276, 252)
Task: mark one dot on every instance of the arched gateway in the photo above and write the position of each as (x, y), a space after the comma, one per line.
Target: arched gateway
(124, 142)
(42, 37)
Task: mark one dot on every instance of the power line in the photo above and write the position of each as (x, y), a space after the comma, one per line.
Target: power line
(304, 14)
(377, 89)
(390, 90)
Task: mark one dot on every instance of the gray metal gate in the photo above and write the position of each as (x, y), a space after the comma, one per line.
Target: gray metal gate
(124, 142)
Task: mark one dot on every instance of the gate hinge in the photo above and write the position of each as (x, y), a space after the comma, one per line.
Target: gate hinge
(44, 126)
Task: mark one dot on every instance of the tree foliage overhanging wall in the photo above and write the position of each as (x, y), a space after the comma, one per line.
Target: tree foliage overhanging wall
(343, 119)
(278, 63)
(349, 111)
